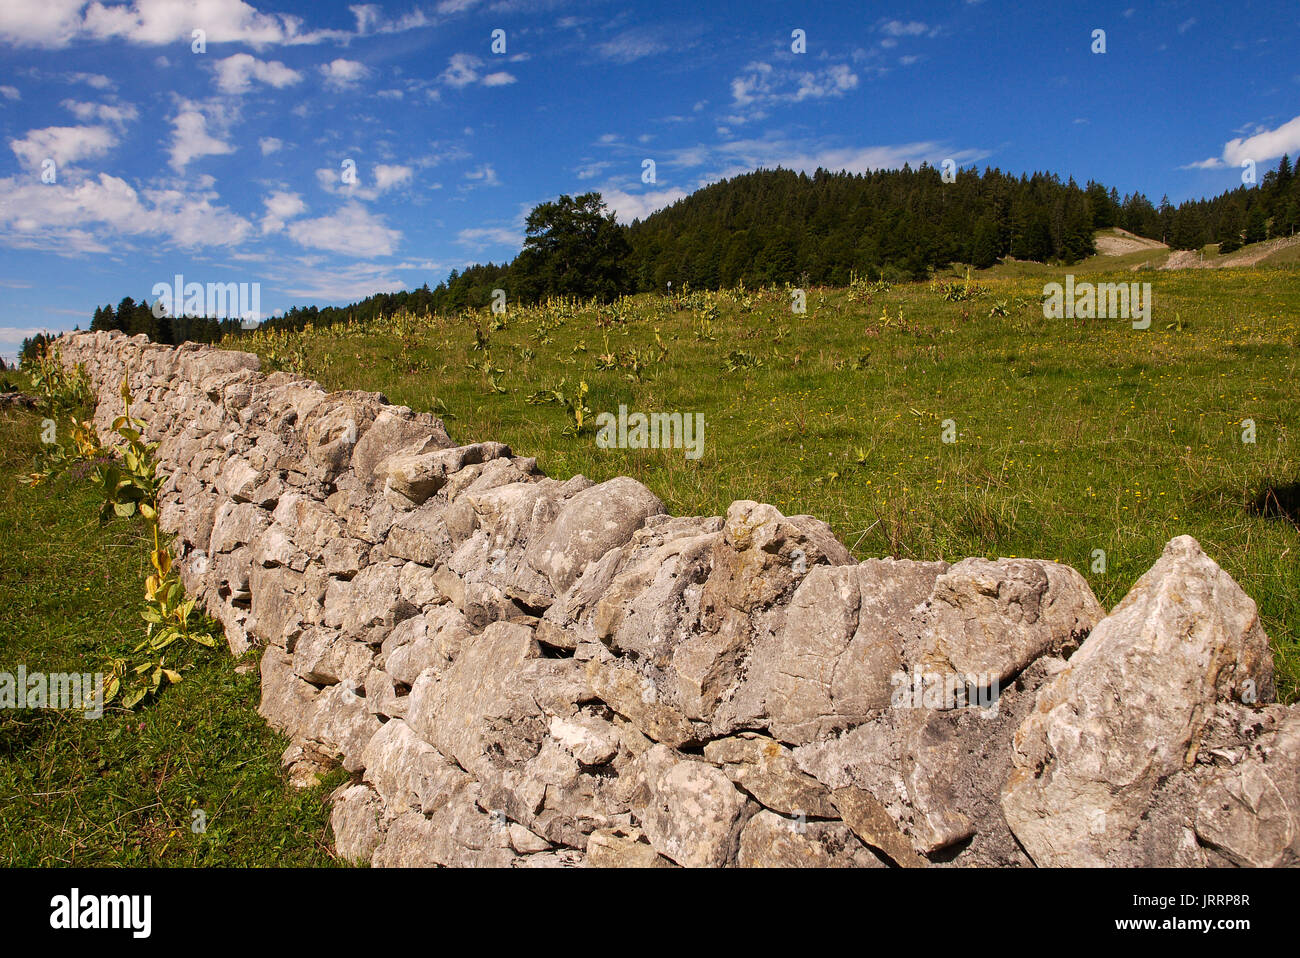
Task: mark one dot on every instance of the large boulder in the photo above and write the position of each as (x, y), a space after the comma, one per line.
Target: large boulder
(1128, 713)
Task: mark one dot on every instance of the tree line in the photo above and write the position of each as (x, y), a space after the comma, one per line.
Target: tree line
(781, 226)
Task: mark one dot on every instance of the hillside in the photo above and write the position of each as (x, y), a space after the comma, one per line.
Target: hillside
(773, 227)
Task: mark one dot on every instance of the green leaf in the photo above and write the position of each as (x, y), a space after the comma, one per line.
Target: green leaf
(132, 698)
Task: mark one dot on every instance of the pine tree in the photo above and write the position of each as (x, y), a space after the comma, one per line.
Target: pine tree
(1256, 226)
(984, 248)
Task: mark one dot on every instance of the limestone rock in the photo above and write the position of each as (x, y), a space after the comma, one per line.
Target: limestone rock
(690, 811)
(773, 841)
(1130, 709)
(993, 618)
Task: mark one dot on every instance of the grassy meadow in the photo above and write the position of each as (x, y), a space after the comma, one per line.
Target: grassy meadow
(1071, 435)
(124, 790)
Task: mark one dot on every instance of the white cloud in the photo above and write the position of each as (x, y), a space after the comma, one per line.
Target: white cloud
(342, 284)
(455, 6)
(96, 80)
(761, 85)
(463, 70)
(371, 20)
(740, 156)
(353, 230)
(632, 206)
(484, 174)
(118, 114)
(281, 206)
(57, 23)
(236, 73)
(341, 74)
(909, 28)
(1264, 145)
(40, 22)
(63, 144)
(590, 170)
(270, 144)
(81, 218)
(635, 44)
(390, 177)
(482, 238)
(10, 93)
(190, 137)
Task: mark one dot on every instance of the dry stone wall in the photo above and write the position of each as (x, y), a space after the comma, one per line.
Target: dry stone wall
(520, 670)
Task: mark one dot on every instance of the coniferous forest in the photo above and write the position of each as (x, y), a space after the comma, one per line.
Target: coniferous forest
(780, 226)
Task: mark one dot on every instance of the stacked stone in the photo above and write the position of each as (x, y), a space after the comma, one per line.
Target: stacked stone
(524, 671)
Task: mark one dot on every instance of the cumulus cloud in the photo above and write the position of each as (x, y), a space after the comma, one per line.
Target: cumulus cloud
(118, 114)
(463, 70)
(637, 206)
(388, 177)
(190, 136)
(761, 85)
(10, 93)
(58, 23)
(281, 207)
(270, 144)
(353, 230)
(342, 74)
(81, 218)
(235, 74)
(1264, 145)
(371, 20)
(63, 144)
(40, 22)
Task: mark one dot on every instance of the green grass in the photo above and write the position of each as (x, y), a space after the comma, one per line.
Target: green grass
(1073, 436)
(123, 789)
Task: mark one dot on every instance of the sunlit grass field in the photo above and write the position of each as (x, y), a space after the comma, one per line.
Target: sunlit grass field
(193, 779)
(1071, 436)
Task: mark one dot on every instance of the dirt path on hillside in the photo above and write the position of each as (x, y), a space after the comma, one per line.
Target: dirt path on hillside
(1121, 242)
(1191, 259)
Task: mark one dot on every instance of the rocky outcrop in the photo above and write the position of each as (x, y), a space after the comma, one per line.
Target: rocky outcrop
(519, 670)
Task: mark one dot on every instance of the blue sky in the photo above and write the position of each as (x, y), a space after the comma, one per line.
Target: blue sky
(227, 165)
